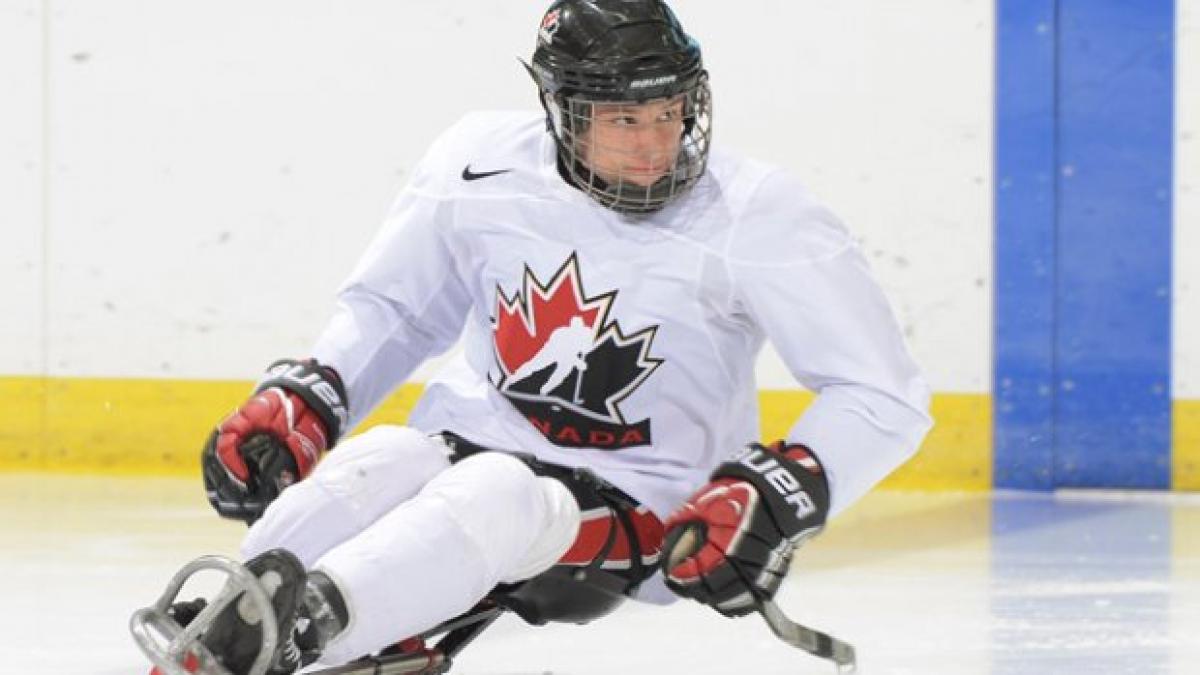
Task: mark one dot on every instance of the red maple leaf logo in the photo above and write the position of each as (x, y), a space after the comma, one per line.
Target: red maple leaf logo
(526, 321)
(566, 366)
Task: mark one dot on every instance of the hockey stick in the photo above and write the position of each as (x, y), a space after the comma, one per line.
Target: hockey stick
(437, 660)
(812, 641)
(165, 642)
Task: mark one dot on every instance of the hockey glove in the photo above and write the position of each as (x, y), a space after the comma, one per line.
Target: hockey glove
(274, 439)
(731, 542)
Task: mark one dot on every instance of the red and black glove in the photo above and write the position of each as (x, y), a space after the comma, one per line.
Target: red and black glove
(274, 439)
(731, 542)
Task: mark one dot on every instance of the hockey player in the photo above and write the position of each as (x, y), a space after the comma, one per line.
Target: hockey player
(612, 276)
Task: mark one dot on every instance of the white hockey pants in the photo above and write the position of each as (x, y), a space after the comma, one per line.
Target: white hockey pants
(412, 540)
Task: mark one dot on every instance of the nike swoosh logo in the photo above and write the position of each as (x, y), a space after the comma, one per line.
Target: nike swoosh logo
(467, 174)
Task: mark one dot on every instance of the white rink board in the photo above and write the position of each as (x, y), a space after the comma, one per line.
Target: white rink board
(221, 165)
(218, 168)
(21, 257)
(1186, 317)
(887, 114)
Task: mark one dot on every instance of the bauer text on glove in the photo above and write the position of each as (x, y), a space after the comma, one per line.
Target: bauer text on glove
(274, 439)
(732, 541)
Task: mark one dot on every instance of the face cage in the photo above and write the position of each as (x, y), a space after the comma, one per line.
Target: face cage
(574, 129)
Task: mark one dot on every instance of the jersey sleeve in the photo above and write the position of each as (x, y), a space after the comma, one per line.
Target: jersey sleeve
(404, 302)
(804, 282)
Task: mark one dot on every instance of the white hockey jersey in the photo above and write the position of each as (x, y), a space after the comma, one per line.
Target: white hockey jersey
(626, 344)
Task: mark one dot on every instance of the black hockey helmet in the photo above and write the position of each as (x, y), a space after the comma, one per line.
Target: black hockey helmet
(606, 53)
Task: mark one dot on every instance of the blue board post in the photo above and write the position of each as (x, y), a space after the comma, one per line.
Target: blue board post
(1084, 151)
(1025, 159)
(1113, 343)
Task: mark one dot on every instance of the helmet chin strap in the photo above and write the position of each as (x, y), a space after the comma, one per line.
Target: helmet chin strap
(554, 115)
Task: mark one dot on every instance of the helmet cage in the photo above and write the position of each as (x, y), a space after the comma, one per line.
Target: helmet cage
(571, 120)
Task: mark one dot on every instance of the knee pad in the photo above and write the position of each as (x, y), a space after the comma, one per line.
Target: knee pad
(521, 522)
(363, 478)
(380, 468)
(563, 518)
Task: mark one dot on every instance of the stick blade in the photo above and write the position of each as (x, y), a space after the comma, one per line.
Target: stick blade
(812, 641)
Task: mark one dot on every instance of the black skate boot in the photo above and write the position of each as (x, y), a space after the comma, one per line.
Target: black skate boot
(235, 636)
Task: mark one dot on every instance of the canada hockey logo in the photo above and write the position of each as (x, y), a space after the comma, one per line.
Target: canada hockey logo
(549, 25)
(566, 366)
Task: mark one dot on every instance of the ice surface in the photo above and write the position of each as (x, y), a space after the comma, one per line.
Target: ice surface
(941, 583)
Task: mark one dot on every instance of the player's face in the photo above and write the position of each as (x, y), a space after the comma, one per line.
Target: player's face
(634, 143)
